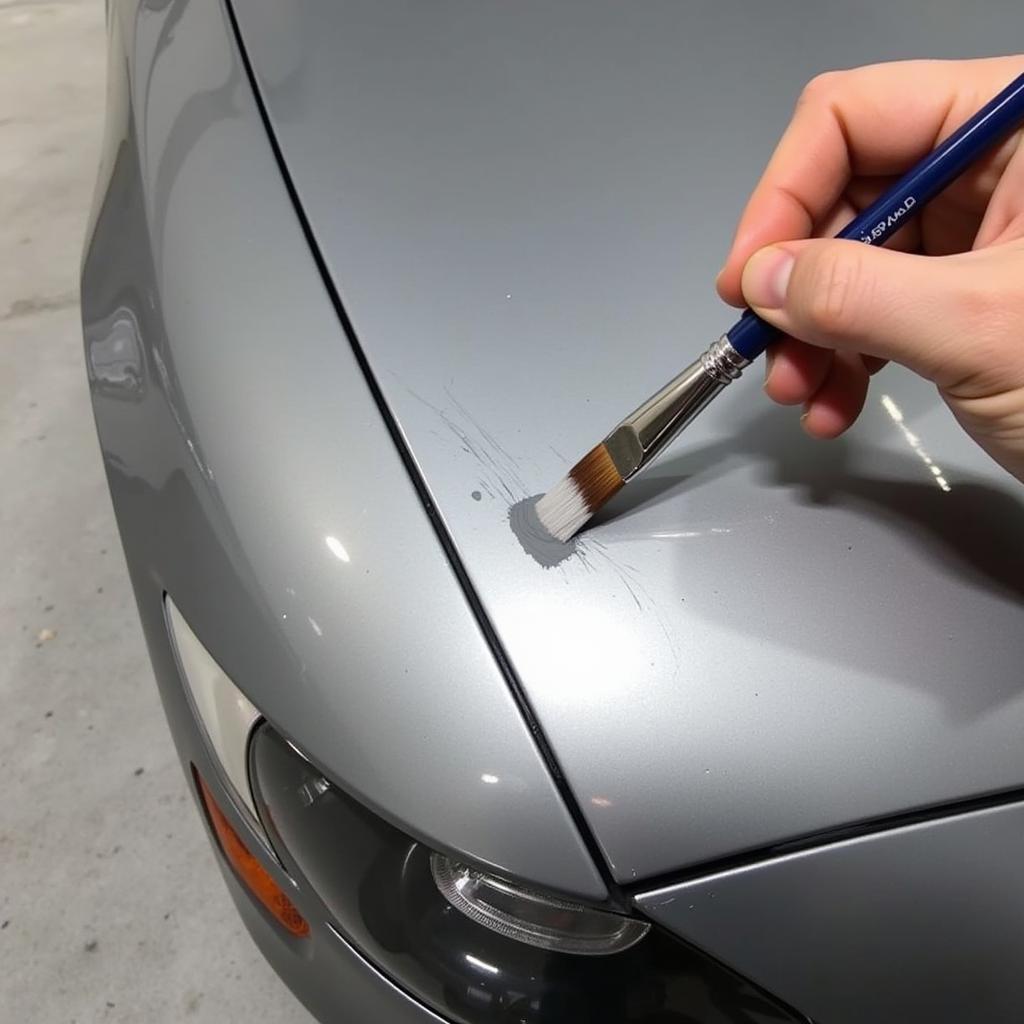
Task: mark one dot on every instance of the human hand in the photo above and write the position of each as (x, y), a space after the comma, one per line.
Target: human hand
(945, 298)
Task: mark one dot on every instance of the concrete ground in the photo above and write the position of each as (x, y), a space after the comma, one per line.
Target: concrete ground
(111, 906)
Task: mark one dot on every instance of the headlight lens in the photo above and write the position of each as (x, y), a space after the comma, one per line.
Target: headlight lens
(420, 918)
(531, 917)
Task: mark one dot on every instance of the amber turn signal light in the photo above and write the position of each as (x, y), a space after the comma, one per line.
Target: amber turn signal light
(250, 870)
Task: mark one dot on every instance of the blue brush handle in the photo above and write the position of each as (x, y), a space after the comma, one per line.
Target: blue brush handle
(751, 335)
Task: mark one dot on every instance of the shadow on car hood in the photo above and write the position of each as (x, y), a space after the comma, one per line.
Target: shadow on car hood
(522, 207)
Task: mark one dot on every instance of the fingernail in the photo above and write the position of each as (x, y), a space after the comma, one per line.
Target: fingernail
(766, 277)
(769, 362)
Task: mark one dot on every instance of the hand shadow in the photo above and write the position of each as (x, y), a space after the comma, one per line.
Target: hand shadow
(976, 527)
(897, 628)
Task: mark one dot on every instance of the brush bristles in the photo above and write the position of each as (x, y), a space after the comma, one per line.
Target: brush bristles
(565, 509)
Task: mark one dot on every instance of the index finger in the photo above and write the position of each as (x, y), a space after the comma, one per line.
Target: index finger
(869, 121)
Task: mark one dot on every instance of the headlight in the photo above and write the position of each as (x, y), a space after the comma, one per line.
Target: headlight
(532, 917)
(477, 948)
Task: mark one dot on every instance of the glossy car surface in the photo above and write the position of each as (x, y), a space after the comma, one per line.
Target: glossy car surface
(361, 277)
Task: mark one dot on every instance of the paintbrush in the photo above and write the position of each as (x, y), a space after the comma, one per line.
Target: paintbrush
(645, 433)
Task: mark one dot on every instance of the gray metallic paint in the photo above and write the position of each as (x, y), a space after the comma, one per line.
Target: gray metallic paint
(776, 636)
(924, 923)
(523, 207)
(244, 439)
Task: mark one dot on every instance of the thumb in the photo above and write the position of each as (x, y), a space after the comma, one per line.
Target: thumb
(929, 313)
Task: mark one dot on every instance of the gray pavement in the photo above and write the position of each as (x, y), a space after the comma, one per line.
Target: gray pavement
(111, 906)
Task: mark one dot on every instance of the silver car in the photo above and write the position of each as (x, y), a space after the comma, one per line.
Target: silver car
(365, 275)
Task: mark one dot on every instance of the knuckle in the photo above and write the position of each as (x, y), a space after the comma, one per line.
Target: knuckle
(972, 306)
(834, 288)
(985, 290)
(992, 319)
(821, 88)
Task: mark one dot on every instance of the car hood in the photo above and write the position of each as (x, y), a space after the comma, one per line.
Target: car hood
(522, 208)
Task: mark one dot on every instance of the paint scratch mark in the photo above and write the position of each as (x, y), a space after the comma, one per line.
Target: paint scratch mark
(631, 579)
(500, 477)
(501, 474)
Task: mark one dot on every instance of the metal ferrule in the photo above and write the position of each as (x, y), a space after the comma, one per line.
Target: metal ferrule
(642, 435)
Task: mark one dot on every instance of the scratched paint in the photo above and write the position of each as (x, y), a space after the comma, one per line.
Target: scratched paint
(500, 476)
(499, 473)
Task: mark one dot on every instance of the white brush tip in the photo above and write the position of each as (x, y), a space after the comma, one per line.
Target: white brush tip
(563, 510)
